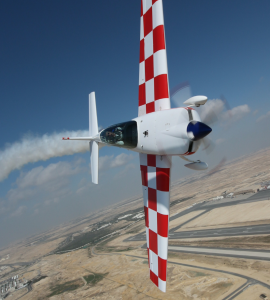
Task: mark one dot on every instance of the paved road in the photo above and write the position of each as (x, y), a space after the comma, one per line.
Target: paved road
(233, 231)
(251, 254)
(249, 281)
(219, 232)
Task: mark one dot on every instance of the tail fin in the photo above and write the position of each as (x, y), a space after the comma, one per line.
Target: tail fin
(93, 123)
(94, 161)
(93, 130)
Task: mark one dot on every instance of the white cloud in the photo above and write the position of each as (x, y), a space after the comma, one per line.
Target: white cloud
(255, 112)
(19, 211)
(261, 118)
(32, 149)
(109, 161)
(47, 185)
(52, 173)
(213, 111)
(220, 141)
(125, 171)
(3, 207)
(236, 113)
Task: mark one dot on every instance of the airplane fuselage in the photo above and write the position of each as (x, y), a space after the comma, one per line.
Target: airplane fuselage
(160, 133)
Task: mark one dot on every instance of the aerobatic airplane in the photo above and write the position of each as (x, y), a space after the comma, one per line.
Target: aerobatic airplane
(158, 133)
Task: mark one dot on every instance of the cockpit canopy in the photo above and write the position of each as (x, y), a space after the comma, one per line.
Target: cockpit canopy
(121, 135)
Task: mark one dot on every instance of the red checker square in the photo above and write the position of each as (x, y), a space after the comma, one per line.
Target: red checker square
(162, 268)
(151, 160)
(149, 68)
(161, 87)
(154, 278)
(150, 107)
(142, 50)
(162, 224)
(144, 175)
(153, 242)
(163, 179)
(146, 216)
(152, 199)
(158, 38)
(154, 1)
(141, 8)
(142, 100)
(147, 22)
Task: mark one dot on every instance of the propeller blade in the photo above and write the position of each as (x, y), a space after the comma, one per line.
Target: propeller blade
(218, 166)
(208, 144)
(180, 93)
(210, 118)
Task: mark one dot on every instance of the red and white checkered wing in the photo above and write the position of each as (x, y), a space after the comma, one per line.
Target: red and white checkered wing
(155, 171)
(153, 70)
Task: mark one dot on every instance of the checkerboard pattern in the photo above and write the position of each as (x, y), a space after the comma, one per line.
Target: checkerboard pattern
(153, 71)
(155, 171)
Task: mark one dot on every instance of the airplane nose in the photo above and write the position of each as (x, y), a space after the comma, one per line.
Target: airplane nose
(197, 130)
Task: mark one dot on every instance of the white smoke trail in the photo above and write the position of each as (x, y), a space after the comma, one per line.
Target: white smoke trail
(32, 149)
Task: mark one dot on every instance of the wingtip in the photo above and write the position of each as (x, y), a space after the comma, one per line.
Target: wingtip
(65, 138)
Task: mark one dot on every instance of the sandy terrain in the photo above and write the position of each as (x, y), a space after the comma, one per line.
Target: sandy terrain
(240, 174)
(253, 292)
(185, 218)
(126, 277)
(236, 224)
(255, 211)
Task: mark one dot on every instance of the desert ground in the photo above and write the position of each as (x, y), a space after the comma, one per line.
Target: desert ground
(102, 255)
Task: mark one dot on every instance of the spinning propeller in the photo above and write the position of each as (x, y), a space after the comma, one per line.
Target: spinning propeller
(210, 115)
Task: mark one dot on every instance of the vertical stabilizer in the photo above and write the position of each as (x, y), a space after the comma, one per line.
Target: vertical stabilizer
(94, 161)
(93, 130)
(93, 123)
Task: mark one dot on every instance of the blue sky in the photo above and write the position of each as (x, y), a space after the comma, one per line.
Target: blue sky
(54, 53)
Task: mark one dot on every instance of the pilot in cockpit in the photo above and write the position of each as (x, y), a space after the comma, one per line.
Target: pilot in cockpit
(119, 136)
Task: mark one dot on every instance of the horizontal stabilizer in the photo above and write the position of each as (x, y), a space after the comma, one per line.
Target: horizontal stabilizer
(78, 138)
(94, 161)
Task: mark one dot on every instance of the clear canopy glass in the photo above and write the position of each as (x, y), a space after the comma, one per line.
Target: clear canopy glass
(121, 135)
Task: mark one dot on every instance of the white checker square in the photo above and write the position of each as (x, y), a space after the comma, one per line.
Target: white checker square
(145, 196)
(143, 159)
(148, 45)
(152, 181)
(147, 236)
(146, 5)
(153, 262)
(163, 202)
(149, 91)
(141, 29)
(142, 73)
(162, 247)
(162, 285)
(160, 63)
(164, 161)
(142, 110)
(157, 12)
(162, 104)
(152, 218)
